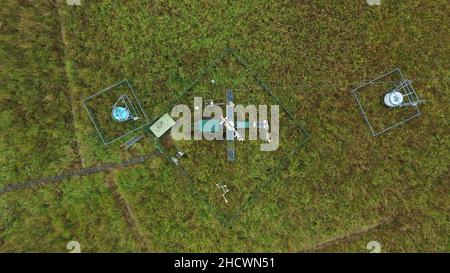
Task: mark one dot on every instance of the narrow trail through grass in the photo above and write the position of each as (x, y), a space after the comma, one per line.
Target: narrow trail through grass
(81, 172)
(128, 214)
(67, 69)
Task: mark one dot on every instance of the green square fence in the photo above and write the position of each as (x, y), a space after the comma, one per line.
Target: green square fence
(109, 124)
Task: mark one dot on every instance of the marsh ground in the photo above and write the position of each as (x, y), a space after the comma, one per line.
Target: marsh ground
(341, 190)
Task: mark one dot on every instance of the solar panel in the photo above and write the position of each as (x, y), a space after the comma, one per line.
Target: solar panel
(231, 151)
(132, 141)
(230, 119)
(230, 114)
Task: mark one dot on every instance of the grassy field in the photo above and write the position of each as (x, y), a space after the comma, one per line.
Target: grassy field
(339, 191)
(37, 134)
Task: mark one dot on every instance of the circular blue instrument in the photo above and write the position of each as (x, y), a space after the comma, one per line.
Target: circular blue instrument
(120, 114)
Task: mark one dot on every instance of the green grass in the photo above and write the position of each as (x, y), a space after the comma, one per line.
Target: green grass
(36, 127)
(311, 54)
(45, 220)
